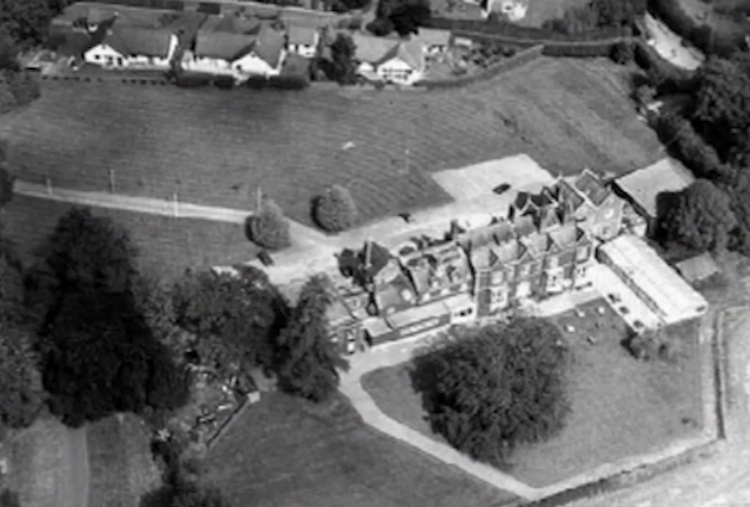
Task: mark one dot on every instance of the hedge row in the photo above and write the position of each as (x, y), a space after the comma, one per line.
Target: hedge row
(580, 49)
(193, 80)
(174, 5)
(526, 33)
(521, 58)
(708, 40)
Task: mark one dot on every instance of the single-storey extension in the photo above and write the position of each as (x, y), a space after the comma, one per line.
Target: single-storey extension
(655, 282)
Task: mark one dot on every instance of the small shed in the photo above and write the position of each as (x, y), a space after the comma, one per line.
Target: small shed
(698, 268)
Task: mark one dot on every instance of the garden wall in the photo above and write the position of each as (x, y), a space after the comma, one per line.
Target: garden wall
(519, 59)
(525, 33)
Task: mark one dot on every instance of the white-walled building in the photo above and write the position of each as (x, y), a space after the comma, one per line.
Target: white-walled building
(134, 48)
(655, 282)
(303, 40)
(391, 60)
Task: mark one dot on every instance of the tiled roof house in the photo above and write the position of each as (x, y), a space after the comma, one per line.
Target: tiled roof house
(126, 46)
(391, 60)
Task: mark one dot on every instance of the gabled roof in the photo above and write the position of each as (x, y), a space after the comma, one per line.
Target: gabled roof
(537, 243)
(524, 226)
(644, 185)
(509, 252)
(371, 49)
(270, 45)
(98, 13)
(592, 186)
(223, 45)
(432, 37)
(398, 292)
(566, 236)
(137, 41)
(570, 196)
(548, 217)
(409, 52)
(235, 23)
(302, 35)
(698, 268)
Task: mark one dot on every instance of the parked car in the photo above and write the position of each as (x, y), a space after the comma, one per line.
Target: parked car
(265, 258)
(502, 188)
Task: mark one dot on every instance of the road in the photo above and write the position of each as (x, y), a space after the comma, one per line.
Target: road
(74, 491)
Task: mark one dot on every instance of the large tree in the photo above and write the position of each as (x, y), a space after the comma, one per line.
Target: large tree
(6, 184)
(269, 227)
(236, 317)
(342, 68)
(26, 21)
(99, 354)
(307, 358)
(12, 289)
(21, 392)
(722, 103)
(497, 388)
(403, 16)
(699, 217)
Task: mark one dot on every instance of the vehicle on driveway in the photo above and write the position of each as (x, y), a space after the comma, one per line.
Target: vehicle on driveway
(265, 258)
(502, 188)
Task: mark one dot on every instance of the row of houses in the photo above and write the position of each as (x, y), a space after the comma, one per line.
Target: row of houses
(237, 44)
(545, 245)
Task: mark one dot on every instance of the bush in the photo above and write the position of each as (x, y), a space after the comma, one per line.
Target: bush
(650, 345)
(270, 228)
(622, 53)
(186, 80)
(224, 82)
(335, 210)
(523, 33)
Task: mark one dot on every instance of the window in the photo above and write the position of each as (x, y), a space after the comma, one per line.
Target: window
(97, 57)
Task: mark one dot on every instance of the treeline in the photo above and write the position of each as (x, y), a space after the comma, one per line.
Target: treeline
(709, 40)
(709, 131)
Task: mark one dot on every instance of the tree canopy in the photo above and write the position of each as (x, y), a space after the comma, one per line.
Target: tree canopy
(307, 358)
(6, 185)
(403, 16)
(236, 318)
(722, 104)
(99, 354)
(699, 217)
(335, 210)
(21, 392)
(496, 388)
(12, 288)
(342, 68)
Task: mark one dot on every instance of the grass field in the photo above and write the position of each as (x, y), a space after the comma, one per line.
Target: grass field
(167, 245)
(287, 452)
(620, 407)
(119, 461)
(216, 147)
(37, 463)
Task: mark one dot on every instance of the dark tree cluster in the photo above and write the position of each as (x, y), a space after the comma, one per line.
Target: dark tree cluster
(98, 353)
(711, 136)
(307, 358)
(235, 318)
(27, 21)
(335, 210)
(497, 388)
(269, 228)
(341, 67)
(402, 16)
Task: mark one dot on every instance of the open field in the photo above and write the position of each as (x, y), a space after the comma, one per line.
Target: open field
(120, 462)
(621, 407)
(292, 453)
(216, 147)
(167, 245)
(542, 10)
(37, 463)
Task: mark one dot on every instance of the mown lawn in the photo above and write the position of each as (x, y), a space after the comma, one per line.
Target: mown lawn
(216, 147)
(167, 245)
(620, 407)
(284, 451)
(540, 11)
(120, 464)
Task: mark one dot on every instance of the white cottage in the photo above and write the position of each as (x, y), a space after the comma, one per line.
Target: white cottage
(303, 40)
(391, 60)
(134, 48)
(238, 55)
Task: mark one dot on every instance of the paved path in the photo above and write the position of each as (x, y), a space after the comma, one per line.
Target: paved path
(75, 489)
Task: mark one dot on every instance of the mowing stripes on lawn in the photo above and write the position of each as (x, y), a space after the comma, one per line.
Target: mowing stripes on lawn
(216, 147)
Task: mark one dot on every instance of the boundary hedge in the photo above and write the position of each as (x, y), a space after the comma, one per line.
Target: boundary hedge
(529, 34)
(705, 38)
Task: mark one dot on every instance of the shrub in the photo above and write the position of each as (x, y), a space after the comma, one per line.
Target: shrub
(335, 210)
(577, 50)
(622, 53)
(270, 228)
(224, 82)
(649, 345)
(186, 80)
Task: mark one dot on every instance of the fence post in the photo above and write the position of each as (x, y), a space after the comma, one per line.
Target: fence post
(112, 187)
(49, 186)
(175, 209)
